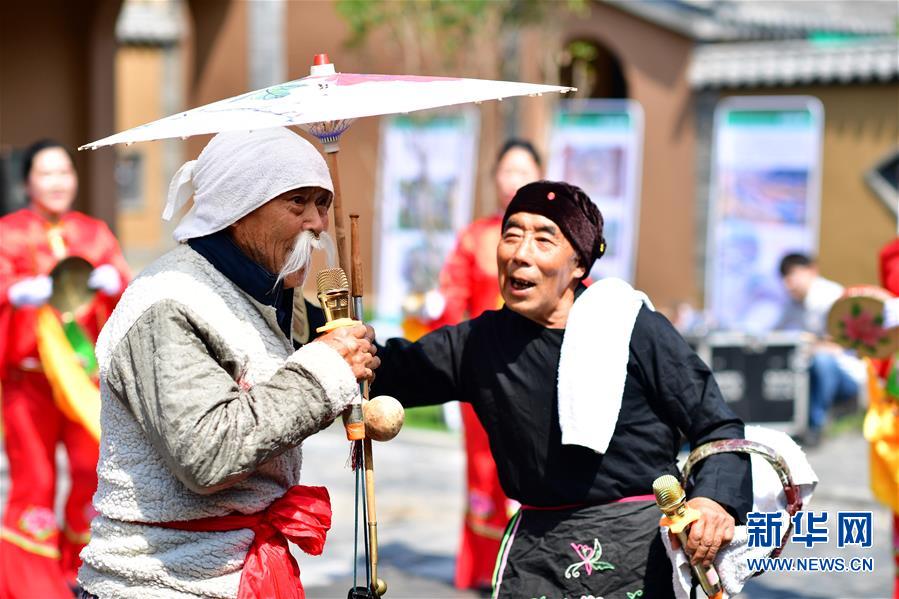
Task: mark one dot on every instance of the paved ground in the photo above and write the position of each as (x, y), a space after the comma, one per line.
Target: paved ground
(419, 478)
(419, 494)
(419, 490)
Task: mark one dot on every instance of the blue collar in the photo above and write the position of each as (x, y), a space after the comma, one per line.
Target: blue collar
(221, 251)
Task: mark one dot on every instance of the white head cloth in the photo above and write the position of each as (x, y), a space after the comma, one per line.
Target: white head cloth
(239, 171)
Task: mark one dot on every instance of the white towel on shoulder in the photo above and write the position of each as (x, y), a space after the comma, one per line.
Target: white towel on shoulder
(593, 362)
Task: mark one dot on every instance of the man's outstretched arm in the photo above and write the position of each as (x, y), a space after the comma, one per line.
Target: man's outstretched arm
(426, 372)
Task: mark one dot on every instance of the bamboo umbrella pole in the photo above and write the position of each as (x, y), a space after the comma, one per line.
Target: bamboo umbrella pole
(339, 228)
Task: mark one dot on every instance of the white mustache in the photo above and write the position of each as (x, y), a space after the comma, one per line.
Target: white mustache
(301, 255)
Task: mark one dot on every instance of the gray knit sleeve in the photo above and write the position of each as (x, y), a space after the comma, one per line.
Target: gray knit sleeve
(181, 381)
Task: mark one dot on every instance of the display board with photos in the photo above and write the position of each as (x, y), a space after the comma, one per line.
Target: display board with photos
(425, 196)
(597, 145)
(764, 203)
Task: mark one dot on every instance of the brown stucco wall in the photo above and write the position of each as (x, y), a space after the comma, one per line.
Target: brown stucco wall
(139, 81)
(56, 69)
(861, 124)
(315, 27)
(654, 62)
(218, 48)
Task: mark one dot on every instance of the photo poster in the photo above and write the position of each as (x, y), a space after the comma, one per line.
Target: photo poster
(424, 197)
(764, 203)
(598, 145)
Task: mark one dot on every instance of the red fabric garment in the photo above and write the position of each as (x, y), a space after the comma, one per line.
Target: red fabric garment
(26, 251)
(889, 278)
(628, 499)
(302, 515)
(33, 547)
(889, 267)
(24, 575)
(468, 279)
(31, 541)
(486, 513)
(896, 555)
(468, 283)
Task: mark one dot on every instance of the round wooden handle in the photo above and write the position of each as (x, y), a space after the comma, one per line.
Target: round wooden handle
(384, 417)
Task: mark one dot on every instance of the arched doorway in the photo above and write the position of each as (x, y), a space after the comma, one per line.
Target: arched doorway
(593, 69)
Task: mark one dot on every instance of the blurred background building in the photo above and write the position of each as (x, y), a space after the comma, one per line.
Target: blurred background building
(80, 71)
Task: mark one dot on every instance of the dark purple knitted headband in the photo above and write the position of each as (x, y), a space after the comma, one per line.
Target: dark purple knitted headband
(571, 209)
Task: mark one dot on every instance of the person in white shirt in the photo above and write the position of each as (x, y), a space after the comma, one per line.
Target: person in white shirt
(834, 375)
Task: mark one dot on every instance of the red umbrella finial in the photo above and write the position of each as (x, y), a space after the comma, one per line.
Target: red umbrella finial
(321, 65)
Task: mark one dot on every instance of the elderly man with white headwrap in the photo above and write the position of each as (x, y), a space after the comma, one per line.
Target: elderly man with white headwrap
(206, 396)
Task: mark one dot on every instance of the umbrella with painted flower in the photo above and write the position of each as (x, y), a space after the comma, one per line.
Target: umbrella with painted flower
(325, 104)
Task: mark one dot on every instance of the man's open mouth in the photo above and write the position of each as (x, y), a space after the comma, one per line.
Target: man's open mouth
(520, 284)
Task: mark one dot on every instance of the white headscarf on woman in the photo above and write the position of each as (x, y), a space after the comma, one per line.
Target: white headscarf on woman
(239, 171)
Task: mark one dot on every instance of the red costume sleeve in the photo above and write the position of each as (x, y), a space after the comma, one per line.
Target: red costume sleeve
(6, 280)
(456, 281)
(106, 250)
(889, 280)
(111, 253)
(889, 267)
(11, 242)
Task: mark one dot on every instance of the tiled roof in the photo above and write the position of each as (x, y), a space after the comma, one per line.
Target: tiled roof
(149, 22)
(794, 62)
(859, 17)
(735, 20)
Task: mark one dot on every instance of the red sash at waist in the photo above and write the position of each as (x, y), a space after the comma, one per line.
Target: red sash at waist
(302, 515)
(572, 506)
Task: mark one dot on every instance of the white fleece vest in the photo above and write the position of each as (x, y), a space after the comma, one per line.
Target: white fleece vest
(134, 485)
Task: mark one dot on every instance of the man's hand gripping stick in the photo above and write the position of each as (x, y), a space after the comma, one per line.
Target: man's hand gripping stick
(334, 297)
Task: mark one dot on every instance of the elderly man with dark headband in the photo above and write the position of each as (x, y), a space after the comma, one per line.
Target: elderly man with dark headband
(586, 395)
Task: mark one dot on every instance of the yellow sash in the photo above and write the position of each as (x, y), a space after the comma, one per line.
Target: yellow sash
(881, 429)
(77, 396)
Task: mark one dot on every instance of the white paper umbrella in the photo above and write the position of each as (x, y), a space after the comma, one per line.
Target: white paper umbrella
(325, 104)
(325, 97)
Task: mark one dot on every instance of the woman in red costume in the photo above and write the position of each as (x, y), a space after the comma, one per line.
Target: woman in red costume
(38, 556)
(887, 489)
(468, 283)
